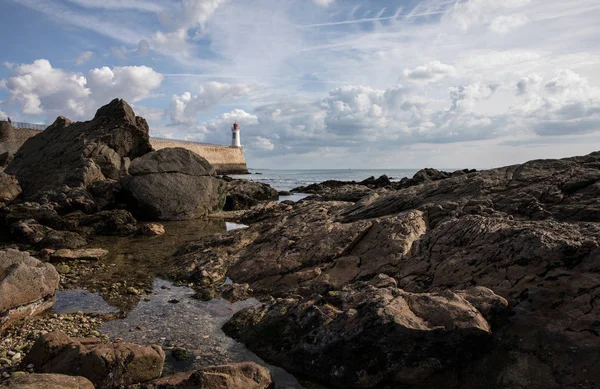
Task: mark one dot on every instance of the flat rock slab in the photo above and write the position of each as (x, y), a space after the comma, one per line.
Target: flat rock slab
(47, 381)
(81, 254)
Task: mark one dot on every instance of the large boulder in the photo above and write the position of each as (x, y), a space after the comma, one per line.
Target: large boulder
(246, 375)
(78, 154)
(27, 286)
(107, 366)
(172, 184)
(9, 188)
(47, 381)
(369, 333)
(244, 194)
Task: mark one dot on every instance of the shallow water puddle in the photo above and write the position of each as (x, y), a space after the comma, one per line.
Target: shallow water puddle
(293, 197)
(230, 226)
(170, 317)
(75, 300)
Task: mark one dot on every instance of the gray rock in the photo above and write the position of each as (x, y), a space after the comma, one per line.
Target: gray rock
(27, 286)
(243, 194)
(172, 184)
(78, 154)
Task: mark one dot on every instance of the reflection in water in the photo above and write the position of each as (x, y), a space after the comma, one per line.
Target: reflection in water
(293, 197)
(234, 226)
(74, 300)
(172, 318)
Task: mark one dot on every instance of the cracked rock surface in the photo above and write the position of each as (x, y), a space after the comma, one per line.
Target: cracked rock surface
(530, 233)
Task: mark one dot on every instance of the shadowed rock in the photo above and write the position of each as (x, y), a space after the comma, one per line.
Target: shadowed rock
(173, 184)
(79, 153)
(47, 381)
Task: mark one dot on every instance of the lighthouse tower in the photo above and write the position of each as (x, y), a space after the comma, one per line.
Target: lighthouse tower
(235, 136)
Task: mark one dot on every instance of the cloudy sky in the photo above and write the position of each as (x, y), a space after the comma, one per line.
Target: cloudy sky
(320, 83)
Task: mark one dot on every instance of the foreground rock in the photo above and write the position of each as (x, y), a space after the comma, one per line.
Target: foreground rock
(246, 375)
(105, 365)
(244, 194)
(369, 333)
(47, 381)
(173, 184)
(79, 153)
(530, 233)
(27, 286)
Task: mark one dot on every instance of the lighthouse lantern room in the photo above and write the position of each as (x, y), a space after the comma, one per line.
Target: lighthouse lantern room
(235, 136)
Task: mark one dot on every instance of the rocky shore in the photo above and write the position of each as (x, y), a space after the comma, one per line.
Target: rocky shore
(465, 279)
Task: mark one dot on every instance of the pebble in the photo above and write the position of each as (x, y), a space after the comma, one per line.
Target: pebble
(16, 357)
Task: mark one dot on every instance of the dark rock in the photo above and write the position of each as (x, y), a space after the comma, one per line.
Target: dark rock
(117, 222)
(42, 214)
(244, 194)
(246, 375)
(173, 184)
(151, 229)
(78, 154)
(47, 381)
(27, 286)
(284, 193)
(236, 292)
(107, 366)
(29, 232)
(180, 354)
(6, 158)
(380, 182)
(364, 335)
(9, 189)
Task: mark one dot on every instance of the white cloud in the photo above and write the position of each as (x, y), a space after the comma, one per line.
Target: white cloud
(38, 89)
(175, 41)
(262, 143)
(323, 3)
(433, 71)
(470, 13)
(84, 57)
(132, 83)
(186, 107)
(505, 23)
(119, 52)
(151, 114)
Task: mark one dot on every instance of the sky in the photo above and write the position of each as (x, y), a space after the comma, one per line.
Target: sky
(319, 83)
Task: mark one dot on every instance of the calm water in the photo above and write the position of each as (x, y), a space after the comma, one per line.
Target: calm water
(289, 179)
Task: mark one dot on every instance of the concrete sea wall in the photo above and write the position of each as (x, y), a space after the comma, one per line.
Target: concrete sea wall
(226, 160)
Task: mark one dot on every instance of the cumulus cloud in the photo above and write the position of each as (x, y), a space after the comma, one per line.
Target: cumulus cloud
(186, 107)
(525, 84)
(39, 89)
(471, 13)
(175, 41)
(262, 143)
(84, 57)
(505, 23)
(132, 83)
(433, 71)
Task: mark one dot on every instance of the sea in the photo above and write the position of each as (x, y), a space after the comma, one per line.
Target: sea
(286, 180)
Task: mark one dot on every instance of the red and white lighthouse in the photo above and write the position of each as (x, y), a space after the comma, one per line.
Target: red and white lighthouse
(235, 136)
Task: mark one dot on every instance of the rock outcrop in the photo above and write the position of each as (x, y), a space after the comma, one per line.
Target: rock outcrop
(247, 375)
(27, 286)
(81, 153)
(9, 189)
(47, 381)
(173, 184)
(530, 233)
(244, 194)
(370, 332)
(107, 366)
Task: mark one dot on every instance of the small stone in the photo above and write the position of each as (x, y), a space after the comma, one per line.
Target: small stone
(16, 357)
(174, 301)
(180, 354)
(18, 374)
(132, 290)
(63, 268)
(94, 333)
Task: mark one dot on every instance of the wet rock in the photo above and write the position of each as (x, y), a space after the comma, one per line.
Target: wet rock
(117, 222)
(364, 335)
(32, 233)
(42, 214)
(236, 292)
(47, 381)
(180, 354)
(78, 154)
(105, 365)
(172, 184)
(9, 189)
(244, 194)
(380, 182)
(151, 229)
(80, 254)
(62, 240)
(284, 193)
(27, 286)
(246, 375)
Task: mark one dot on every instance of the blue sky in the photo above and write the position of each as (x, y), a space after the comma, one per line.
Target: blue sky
(320, 83)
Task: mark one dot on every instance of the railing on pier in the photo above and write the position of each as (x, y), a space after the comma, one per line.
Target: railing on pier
(29, 126)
